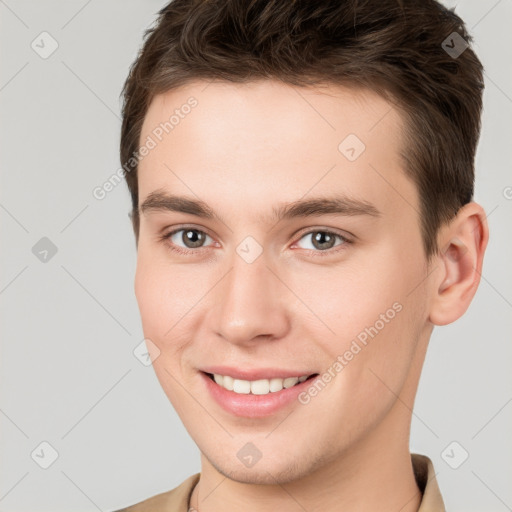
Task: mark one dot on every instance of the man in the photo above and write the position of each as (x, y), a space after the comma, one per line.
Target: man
(302, 178)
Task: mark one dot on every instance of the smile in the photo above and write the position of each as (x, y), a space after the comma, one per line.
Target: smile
(254, 396)
(256, 387)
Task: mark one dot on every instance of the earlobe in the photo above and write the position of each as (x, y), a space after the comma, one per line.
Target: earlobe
(463, 243)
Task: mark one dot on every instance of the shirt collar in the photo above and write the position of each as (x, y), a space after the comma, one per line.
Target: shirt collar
(423, 468)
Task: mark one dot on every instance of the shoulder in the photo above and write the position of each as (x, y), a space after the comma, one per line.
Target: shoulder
(175, 500)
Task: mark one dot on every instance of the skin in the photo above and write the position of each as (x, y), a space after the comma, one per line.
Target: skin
(243, 150)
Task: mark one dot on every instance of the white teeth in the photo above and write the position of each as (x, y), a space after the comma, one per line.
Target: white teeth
(260, 387)
(276, 385)
(242, 386)
(228, 382)
(256, 387)
(290, 381)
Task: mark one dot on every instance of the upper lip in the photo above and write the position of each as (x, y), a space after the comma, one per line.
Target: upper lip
(255, 373)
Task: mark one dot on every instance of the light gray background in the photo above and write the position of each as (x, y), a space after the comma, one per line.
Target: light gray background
(70, 325)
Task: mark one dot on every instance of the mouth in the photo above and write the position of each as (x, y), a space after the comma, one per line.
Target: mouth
(259, 386)
(255, 396)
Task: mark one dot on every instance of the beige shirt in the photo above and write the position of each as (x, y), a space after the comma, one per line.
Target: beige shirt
(177, 500)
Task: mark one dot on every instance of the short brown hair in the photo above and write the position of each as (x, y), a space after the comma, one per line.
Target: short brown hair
(397, 48)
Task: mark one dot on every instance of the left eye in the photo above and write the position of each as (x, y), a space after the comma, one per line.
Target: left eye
(322, 240)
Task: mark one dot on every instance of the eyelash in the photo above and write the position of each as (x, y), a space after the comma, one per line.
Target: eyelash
(316, 253)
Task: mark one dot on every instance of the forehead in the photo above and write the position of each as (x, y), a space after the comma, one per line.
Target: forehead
(272, 141)
(275, 110)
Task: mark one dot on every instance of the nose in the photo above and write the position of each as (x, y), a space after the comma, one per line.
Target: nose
(250, 304)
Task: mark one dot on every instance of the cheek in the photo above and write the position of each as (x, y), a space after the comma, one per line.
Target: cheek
(162, 293)
(162, 307)
(373, 308)
(168, 296)
(343, 301)
(158, 301)
(148, 292)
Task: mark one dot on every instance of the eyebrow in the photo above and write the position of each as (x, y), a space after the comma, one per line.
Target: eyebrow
(338, 205)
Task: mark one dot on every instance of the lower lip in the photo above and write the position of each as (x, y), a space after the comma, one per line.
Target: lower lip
(253, 406)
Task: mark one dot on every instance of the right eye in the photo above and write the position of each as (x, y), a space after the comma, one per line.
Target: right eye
(186, 239)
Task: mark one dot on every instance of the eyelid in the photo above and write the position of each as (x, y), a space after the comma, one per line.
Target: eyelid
(348, 237)
(184, 227)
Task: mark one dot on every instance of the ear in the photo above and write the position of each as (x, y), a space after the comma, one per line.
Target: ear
(459, 263)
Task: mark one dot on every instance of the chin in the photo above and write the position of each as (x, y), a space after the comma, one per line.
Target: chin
(262, 473)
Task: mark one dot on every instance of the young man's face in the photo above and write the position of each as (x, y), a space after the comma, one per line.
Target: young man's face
(250, 296)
